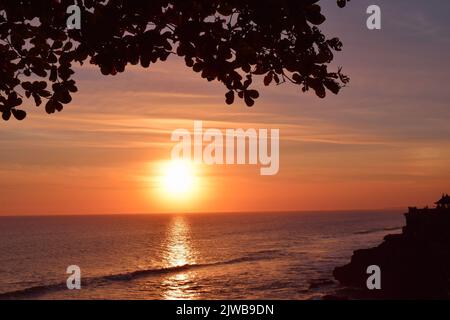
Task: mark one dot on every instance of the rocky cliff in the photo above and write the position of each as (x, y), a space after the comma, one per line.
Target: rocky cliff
(414, 264)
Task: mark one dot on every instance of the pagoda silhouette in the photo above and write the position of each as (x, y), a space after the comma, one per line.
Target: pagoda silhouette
(444, 202)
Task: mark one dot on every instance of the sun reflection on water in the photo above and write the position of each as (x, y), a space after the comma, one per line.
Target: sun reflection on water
(179, 253)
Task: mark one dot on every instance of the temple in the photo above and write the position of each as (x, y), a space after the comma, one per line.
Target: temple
(429, 222)
(442, 206)
(444, 203)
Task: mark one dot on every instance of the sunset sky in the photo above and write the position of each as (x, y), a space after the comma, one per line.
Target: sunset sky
(383, 142)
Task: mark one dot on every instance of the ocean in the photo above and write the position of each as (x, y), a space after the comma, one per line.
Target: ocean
(190, 256)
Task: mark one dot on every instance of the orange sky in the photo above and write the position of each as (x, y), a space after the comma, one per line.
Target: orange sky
(384, 142)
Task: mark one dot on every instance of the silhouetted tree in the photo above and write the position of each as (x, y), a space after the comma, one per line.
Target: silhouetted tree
(226, 40)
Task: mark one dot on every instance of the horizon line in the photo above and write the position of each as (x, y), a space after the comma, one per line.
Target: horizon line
(28, 215)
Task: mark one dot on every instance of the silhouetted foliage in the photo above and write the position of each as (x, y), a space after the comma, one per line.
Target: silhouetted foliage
(226, 40)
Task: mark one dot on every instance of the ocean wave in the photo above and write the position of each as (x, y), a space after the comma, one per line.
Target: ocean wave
(129, 276)
(378, 230)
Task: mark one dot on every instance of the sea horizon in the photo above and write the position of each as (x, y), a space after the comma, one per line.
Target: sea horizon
(393, 210)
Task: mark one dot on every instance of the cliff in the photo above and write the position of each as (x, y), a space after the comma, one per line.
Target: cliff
(414, 264)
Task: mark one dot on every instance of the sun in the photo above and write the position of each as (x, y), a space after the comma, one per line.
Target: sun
(178, 179)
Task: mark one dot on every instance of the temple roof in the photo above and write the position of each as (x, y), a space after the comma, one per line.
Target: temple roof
(444, 200)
